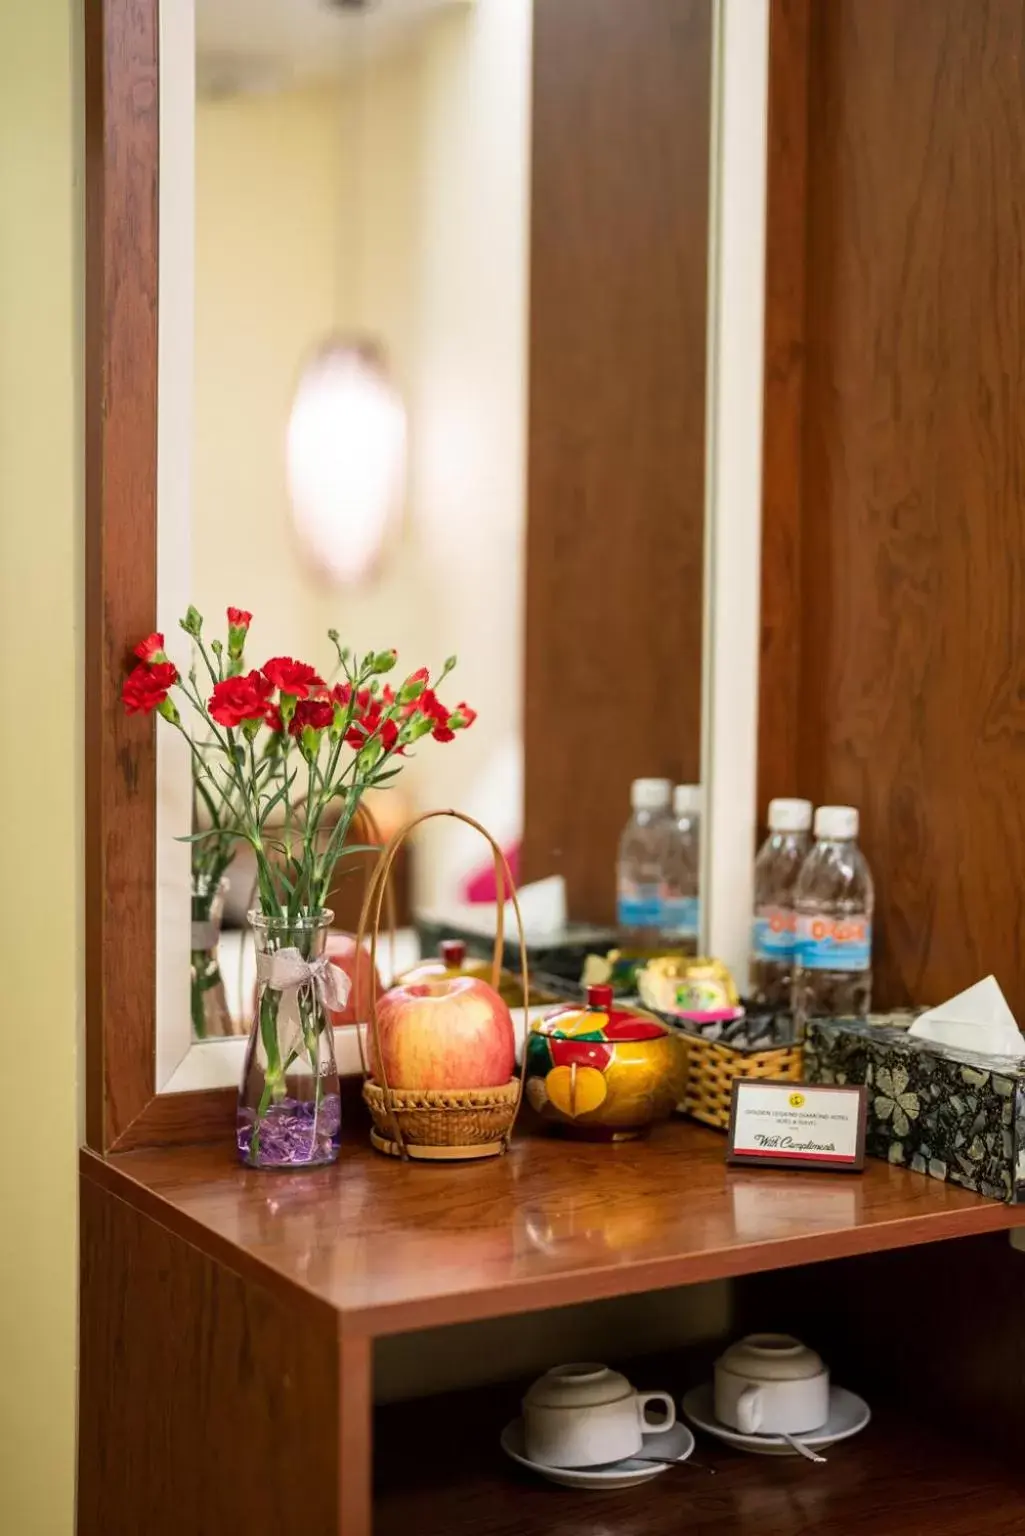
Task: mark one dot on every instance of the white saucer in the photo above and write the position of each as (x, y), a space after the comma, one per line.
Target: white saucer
(678, 1443)
(847, 1414)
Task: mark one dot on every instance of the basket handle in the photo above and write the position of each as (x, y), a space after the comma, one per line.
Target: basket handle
(366, 829)
(370, 919)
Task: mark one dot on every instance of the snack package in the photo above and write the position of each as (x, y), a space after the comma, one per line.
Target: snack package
(699, 992)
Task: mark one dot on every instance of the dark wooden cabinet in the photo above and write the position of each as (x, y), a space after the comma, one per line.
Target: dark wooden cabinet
(229, 1320)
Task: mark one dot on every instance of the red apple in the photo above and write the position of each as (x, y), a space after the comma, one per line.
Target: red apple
(449, 1032)
(341, 950)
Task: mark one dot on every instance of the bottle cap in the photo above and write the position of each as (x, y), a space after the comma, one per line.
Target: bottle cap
(599, 996)
(789, 815)
(453, 952)
(650, 794)
(687, 799)
(836, 821)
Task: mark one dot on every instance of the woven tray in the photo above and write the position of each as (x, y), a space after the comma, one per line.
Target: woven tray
(713, 1068)
(442, 1126)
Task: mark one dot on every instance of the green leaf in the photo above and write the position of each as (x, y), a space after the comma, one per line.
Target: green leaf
(197, 837)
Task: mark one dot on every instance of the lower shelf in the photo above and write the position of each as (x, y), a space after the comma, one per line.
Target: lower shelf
(441, 1473)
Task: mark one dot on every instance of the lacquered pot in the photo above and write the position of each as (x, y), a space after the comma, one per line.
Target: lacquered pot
(603, 1072)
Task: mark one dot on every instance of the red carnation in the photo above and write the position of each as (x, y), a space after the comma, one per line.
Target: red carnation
(430, 705)
(240, 698)
(239, 618)
(318, 714)
(151, 649)
(294, 678)
(366, 720)
(463, 717)
(145, 688)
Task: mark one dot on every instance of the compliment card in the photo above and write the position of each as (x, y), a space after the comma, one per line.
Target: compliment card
(797, 1125)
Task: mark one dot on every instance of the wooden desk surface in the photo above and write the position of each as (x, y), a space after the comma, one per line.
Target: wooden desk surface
(388, 1246)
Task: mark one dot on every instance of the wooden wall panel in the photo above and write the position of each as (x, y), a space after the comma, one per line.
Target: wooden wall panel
(911, 700)
(207, 1406)
(121, 147)
(782, 447)
(616, 431)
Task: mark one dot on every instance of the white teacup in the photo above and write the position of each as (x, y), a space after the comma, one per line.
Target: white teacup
(771, 1384)
(584, 1415)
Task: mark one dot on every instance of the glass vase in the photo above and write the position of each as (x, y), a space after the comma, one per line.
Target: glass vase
(289, 1113)
(211, 1017)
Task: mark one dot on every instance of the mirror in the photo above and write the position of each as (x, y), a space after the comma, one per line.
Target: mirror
(432, 374)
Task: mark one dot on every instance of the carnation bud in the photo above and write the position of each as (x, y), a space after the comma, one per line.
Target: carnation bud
(169, 710)
(309, 743)
(192, 623)
(411, 690)
(418, 725)
(383, 661)
(369, 755)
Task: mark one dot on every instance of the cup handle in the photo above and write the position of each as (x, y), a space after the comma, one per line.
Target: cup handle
(749, 1411)
(666, 1402)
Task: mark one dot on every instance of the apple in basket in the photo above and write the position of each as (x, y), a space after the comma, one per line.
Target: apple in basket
(445, 1032)
(343, 951)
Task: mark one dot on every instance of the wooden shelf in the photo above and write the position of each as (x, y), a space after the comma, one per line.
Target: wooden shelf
(386, 1247)
(440, 1471)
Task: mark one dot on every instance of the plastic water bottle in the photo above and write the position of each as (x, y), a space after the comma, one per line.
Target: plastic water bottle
(639, 868)
(833, 901)
(681, 872)
(774, 929)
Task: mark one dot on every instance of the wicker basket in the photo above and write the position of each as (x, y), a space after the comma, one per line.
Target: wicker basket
(713, 1068)
(442, 1125)
(434, 1125)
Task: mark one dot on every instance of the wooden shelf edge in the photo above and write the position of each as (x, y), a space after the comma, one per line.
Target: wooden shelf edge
(549, 1288)
(606, 1281)
(111, 1175)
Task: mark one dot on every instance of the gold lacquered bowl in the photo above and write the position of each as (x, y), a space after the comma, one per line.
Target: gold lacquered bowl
(603, 1073)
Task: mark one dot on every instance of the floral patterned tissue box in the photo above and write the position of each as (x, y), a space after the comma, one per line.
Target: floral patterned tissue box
(935, 1110)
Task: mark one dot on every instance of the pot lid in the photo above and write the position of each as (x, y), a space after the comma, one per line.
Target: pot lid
(599, 1019)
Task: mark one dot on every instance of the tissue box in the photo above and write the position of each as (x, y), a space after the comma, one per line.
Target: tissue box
(931, 1108)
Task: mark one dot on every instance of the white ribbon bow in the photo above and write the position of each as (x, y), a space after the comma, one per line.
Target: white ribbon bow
(286, 971)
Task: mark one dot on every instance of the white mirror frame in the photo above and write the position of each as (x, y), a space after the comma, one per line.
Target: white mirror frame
(733, 494)
(738, 180)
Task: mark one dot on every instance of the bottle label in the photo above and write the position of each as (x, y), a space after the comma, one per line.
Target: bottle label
(834, 943)
(774, 933)
(681, 916)
(639, 906)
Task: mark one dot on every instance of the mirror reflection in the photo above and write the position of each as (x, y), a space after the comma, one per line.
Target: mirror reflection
(449, 317)
(360, 355)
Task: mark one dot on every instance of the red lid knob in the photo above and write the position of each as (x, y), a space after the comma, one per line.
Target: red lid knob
(453, 952)
(600, 997)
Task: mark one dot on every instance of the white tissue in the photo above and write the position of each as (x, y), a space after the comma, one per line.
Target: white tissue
(977, 1020)
(542, 905)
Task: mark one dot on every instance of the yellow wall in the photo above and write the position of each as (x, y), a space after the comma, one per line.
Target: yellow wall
(40, 625)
